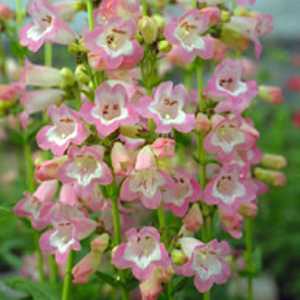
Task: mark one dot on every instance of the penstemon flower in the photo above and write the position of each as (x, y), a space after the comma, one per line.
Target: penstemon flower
(142, 252)
(47, 26)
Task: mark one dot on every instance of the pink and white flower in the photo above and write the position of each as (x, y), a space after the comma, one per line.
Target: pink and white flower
(85, 167)
(112, 45)
(206, 262)
(67, 129)
(246, 2)
(164, 147)
(229, 135)
(111, 109)
(227, 88)
(182, 189)
(188, 35)
(166, 108)
(46, 27)
(38, 206)
(228, 189)
(142, 253)
(70, 225)
(145, 182)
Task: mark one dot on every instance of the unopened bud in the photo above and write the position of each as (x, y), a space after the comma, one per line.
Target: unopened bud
(241, 11)
(160, 21)
(203, 124)
(178, 257)
(164, 46)
(274, 178)
(225, 16)
(68, 78)
(148, 28)
(81, 74)
(193, 220)
(273, 161)
(248, 210)
(77, 47)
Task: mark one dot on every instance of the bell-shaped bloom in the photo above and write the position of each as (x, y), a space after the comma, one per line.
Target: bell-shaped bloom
(252, 27)
(39, 75)
(231, 222)
(85, 167)
(89, 264)
(152, 287)
(122, 159)
(228, 189)
(37, 207)
(227, 88)
(193, 220)
(124, 9)
(163, 147)
(181, 190)
(67, 129)
(70, 225)
(46, 27)
(166, 108)
(110, 110)
(229, 135)
(113, 45)
(188, 35)
(10, 92)
(206, 262)
(142, 253)
(49, 169)
(145, 182)
(40, 100)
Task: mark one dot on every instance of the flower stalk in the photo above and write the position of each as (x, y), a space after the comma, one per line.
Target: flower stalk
(66, 291)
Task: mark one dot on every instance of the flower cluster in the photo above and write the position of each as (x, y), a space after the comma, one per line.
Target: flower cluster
(123, 142)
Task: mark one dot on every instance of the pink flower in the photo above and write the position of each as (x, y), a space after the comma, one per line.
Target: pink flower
(10, 92)
(193, 220)
(46, 27)
(5, 12)
(166, 108)
(293, 83)
(163, 147)
(231, 222)
(145, 181)
(39, 75)
(40, 100)
(142, 253)
(67, 129)
(70, 226)
(252, 28)
(49, 169)
(206, 262)
(89, 264)
(181, 190)
(111, 109)
(37, 207)
(229, 135)
(113, 45)
(109, 9)
(227, 88)
(122, 159)
(85, 167)
(228, 189)
(188, 35)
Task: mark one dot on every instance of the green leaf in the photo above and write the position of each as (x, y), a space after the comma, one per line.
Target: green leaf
(109, 279)
(37, 290)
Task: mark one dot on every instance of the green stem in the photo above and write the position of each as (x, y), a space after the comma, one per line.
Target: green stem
(39, 258)
(19, 13)
(162, 223)
(90, 9)
(248, 255)
(144, 7)
(48, 54)
(206, 230)
(66, 292)
(52, 270)
(117, 233)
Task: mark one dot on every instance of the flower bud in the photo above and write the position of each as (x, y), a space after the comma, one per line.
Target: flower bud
(271, 94)
(49, 169)
(203, 124)
(81, 74)
(248, 210)
(160, 21)
(273, 161)
(5, 12)
(193, 220)
(178, 257)
(241, 11)
(163, 147)
(274, 178)
(225, 16)
(68, 78)
(148, 29)
(164, 46)
(122, 162)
